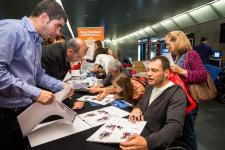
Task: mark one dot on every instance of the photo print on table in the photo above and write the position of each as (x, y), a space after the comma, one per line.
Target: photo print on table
(103, 112)
(113, 127)
(103, 119)
(90, 115)
(104, 134)
(125, 135)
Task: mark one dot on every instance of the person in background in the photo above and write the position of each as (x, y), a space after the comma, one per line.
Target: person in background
(114, 68)
(98, 49)
(101, 64)
(76, 50)
(204, 50)
(61, 38)
(124, 87)
(163, 107)
(189, 66)
(54, 58)
(20, 68)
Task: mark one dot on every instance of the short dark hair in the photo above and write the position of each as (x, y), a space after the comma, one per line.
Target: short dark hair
(164, 61)
(52, 8)
(203, 39)
(73, 44)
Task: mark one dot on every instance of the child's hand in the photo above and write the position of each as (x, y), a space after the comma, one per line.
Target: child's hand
(78, 105)
(102, 94)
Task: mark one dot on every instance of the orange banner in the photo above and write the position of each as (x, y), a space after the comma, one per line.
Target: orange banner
(91, 33)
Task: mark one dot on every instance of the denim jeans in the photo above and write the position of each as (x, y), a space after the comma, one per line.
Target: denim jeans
(189, 136)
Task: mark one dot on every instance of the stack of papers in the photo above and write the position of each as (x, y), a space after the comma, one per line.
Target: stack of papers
(101, 116)
(108, 99)
(28, 121)
(85, 83)
(116, 130)
(54, 130)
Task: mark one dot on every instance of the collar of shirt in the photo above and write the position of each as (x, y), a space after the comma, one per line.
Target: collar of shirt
(31, 29)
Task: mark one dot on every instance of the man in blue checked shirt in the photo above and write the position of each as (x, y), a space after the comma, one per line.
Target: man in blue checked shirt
(20, 67)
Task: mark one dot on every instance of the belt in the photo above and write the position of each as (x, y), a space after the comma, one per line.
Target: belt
(17, 109)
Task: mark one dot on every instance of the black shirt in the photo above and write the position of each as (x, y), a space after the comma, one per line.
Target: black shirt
(54, 60)
(204, 51)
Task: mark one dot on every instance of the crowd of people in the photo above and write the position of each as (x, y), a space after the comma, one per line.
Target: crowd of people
(31, 71)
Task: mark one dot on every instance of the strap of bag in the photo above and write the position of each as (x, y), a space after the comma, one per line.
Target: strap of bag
(186, 60)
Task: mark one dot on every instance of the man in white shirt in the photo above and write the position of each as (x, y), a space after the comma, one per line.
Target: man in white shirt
(103, 60)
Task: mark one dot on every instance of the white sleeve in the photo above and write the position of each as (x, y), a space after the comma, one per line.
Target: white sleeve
(98, 60)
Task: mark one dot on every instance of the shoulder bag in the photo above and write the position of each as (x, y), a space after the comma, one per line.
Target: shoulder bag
(203, 91)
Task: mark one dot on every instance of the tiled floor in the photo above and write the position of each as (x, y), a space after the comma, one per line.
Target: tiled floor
(210, 126)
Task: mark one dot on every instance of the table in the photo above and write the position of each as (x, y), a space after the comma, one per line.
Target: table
(78, 140)
(216, 62)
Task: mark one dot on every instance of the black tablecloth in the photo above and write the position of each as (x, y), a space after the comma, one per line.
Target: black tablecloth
(78, 141)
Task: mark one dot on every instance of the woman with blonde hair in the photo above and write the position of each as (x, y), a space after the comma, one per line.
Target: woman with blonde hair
(190, 68)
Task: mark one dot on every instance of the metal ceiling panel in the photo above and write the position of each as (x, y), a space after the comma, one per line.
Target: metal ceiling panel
(169, 25)
(159, 28)
(204, 14)
(149, 31)
(184, 20)
(220, 7)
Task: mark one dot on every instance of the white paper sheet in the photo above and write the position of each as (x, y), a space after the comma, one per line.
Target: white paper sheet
(101, 116)
(85, 83)
(54, 130)
(169, 57)
(75, 72)
(67, 77)
(116, 130)
(85, 98)
(108, 99)
(61, 95)
(37, 112)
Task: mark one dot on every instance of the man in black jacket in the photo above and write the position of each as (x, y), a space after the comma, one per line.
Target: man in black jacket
(56, 58)
(163, 107)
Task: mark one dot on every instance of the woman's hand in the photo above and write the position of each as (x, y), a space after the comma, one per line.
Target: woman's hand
(177, 69)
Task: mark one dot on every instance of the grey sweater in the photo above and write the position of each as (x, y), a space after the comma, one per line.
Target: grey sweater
(165, 116)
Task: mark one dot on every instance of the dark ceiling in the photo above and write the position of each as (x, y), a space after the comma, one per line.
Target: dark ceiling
(119, 17)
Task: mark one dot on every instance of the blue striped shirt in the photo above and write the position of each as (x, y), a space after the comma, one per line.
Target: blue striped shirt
(20, 64)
